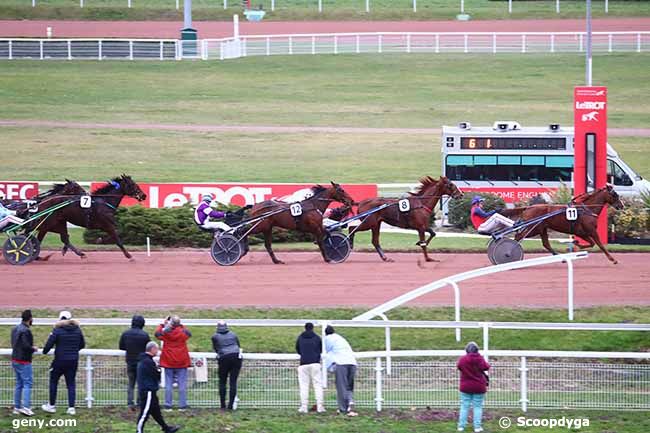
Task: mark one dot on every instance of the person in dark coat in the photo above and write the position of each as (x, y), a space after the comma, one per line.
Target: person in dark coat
(226, 345)
(68, 340)
(133, 341)
(22, 349)
(473, 386)
(148, 376)
(309, 346)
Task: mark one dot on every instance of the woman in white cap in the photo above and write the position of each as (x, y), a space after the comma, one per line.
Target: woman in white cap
(68, 340)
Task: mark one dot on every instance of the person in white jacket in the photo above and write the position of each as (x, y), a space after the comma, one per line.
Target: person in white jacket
(341, 361)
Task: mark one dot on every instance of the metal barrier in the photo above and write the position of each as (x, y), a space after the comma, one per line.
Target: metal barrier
(311, 44)
(430, 378)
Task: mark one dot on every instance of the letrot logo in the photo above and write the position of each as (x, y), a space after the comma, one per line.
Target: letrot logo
(590, 105)
(590, 117)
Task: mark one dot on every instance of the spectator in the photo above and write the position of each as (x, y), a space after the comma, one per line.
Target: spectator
(68, 340)
(148, 374)
(226, 345)
(133, 341)
(309, 347)
(175, 359)
(473, 386)
(22, 349)
(340, 360)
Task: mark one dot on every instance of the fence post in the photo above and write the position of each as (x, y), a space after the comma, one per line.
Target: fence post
(379, 48)
(557, 6)
(221, 45)
(465, 39)
(456, 306)
(408, 43)
(415, 5)
(437, 43)
(99, 50)
(81, 3)
(336, 44)
(204, 49)
(552, 43)
(41, 49)
(524, 385)
(268, 46)
(606, 6)
(509, 6)
(323, 353)
(580, 48)
(69, 49)
(177, 5)
(358, 44)
(569, 264)
(225, 4)
(367, 6)
(523, 43)
(486, 340)
(609, 43)
(244, 47)
(130, 50)
(89, 381)
(320, 6)
(290, 45)
(638, 42)
(33, 3)
(161, 51)
(129, 3)
(313, 44)
(378, 384)
(494, 43)
(388, 345)
(272, 5)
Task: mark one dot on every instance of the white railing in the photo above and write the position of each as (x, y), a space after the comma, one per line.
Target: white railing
(89, 49)
(322, 43)
(431, 379)
(378, 43)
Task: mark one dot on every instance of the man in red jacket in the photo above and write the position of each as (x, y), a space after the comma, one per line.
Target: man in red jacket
(175, 359)
(473, 386)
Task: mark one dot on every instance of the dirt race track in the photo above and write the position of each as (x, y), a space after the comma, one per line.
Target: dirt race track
(190, 278)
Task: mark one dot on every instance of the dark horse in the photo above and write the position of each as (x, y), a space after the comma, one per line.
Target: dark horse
(422, 203)
(311, 220)
(100, 215)
(589, 207)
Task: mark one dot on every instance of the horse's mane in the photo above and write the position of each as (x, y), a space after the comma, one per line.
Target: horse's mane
(108, 187)
(426, 183)
(317, 189)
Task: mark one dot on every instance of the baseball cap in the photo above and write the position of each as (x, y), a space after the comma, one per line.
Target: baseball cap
(65, 315)
(477, 199)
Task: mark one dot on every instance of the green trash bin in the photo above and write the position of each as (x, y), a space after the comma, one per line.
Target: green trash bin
(190, 43)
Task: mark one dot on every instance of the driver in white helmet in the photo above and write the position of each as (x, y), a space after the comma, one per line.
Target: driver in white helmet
(204, 212)
(8, 217)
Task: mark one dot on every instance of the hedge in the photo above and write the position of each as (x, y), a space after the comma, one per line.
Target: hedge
(173, 227)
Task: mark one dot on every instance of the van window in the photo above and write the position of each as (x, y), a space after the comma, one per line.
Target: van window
(513, 168)
(620, 177)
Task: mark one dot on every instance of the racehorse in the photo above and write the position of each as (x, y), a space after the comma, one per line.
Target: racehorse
(310, 221)
(100, 215)
(589, 206)
(421, 205)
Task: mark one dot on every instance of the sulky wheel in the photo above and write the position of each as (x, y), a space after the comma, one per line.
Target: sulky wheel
(37, 248)
(226, 249)
(337, 247)
(18, 250)
(505, 251)
(490, 249)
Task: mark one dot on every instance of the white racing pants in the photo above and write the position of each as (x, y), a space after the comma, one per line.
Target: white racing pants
(494, 223)
(215, 225)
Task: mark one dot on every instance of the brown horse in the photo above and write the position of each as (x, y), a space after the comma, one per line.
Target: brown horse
(589, 207)
(100, 215)
(421, 206)
(310, 221)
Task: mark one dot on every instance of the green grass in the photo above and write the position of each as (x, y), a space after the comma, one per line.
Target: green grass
(281, 340)
(118, 420)
(335, 10)
(408, 91)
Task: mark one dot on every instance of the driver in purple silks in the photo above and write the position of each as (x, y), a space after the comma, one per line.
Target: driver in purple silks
(204, 212)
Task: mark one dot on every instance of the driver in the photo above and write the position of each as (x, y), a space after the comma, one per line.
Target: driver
(487, 222)
(8, 217)
(204, 212)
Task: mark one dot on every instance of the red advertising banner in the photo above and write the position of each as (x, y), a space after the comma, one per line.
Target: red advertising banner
(510, 194)
(590, 122)
(177, 194)
(18, 190)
